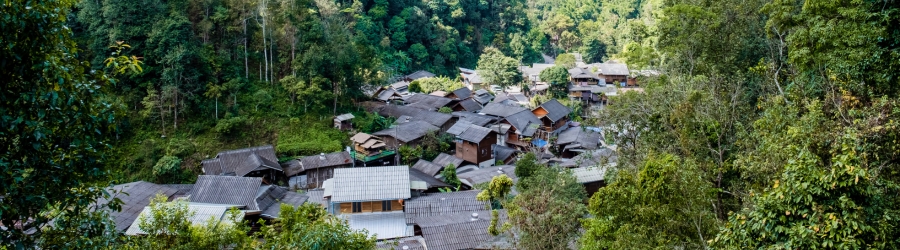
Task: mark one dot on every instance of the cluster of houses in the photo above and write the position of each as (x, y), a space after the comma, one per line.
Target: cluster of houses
(403, 206)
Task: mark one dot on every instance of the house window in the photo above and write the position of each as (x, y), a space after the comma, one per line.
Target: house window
(386, 205)
(357, 207)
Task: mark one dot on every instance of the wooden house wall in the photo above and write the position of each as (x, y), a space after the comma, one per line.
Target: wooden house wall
(369, 207)
(476, 152)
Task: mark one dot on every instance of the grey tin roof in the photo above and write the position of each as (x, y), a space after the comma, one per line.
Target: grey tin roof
(231, 190)
(419, 74)
(135, 196)
(457, 231)
(438, 204)
(241, 161)
(522, 120)
(616, 69)
(200, 215)
(484, 175)
(444, 159)
(370, 184)
(475, 134)
(318, 161)
(470, 105)
(501, 110)
(589, 174)
(428, 167)
(477, 119)
(462, 93)
(555, 110)
(383, 225)
(432, 117)
(409, 131)
(429, 180)
(427, 102)
(459, 127)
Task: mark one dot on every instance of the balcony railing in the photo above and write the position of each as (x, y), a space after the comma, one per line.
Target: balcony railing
(367, 158)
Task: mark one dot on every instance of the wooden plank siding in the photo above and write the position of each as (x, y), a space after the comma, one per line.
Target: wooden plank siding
(368, 207)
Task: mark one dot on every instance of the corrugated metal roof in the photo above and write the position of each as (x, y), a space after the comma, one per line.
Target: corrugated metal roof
(419, 74)
(371, 184)
(589, 174)
(239, 161)
(475, 134)
(615, 69)
(428, 102)
(592, 158)
(291, 198)
(135, 196)
(444, 159)
(477, 119)
(485, 175)
(459, 127)
(502, 153)
(439, 204)
(470, 105)
(409, 131)
(409, 243)
(328, 186)
(483, 96)
(437, 119)
(430, 181)
(383, 225)
(344, 117)
(501, 110)
(462, 93)
(320, 161)
(427, 167)
(417, 185)
(555, 110)
(317, 196)
(522, 120)
(231, 190)
(457, 231)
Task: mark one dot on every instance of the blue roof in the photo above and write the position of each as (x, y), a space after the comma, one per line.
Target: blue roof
(538, 142)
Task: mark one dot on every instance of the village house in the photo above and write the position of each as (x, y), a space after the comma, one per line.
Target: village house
(367, 148)
(474, 118)
(467, 105)
(582, 76)
(311, 171)
(450, 221)
(255, 200)
(429, 102)
(248, 162)
(613, 72)
(407, 133)
(533, 74)
(387, 95)
(372, 198)
(418, 75)
(482, 96)
(553, 116)
(522, 128)
(432, 184)
(344, 122)
(471, 79)
(437, 119)
(576, 140)
(473, 143)
(434, 168)
(504, 155)
(460, 94)
(593, 158)
(134, 196)
(592, 178)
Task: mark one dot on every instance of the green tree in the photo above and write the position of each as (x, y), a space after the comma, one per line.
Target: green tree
(547, 211)
(168, 225)
(565, 60)
(55, 124)
(496, 194)
(498, 69)
(664, 205)
(449, 174)
(310, 227)
(558, 78)
(445, 110)
(166, 166)
(527, 166)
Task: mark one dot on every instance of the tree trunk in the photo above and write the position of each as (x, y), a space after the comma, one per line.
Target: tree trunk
(246, 65)
(217, 108)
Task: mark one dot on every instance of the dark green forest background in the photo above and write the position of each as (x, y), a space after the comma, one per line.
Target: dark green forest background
(774, 124)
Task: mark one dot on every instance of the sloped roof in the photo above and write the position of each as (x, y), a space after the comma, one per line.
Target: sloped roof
(475, 134)
(589, 174)
(400, 86)
(408, 243)
(291, 198)
(429, 180)
(432, 117)
(466, 71)
(419, 74)
(135, 196)
(409, 131)
(615, 69)
(482, 96)
(344, 117)
(470, 105)
(501, 110)
(439, 204)
(231, 190)
(316, 196)
(474, 118)
(585, 139)
(581, 73)
(462, 93)
(459, 127)
(320, 161)
(502, 152)
(427, 102)
(383, 225)
(240, 161)
(522, 120)
(387, 94)
(370, 184)
(444, 159)
(555, 110)
(592, 158)
(457, 231)
(360, 137)
(427, 167)
(535, 69)
(484, 175)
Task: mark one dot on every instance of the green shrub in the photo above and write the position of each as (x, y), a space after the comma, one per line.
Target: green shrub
(167, 165)
(230, 126)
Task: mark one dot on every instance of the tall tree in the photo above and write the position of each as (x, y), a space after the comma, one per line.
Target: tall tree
(498, 69)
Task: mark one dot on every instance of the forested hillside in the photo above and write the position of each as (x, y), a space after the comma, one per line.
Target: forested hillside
(770, 124)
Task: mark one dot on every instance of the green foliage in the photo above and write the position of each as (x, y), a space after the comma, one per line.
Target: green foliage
(168, 226)
(167, 165)
(567, 61)
(230, 125)
(558, 78)
(310, 227)
(547, 211)
(496, 194)
(310, 138)
(409, 155)
(664, 205)
(55, 123)
(527, 166)
(498, 69)
(432, 84)
(445, 110)
(449, 174)
(370, 122)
